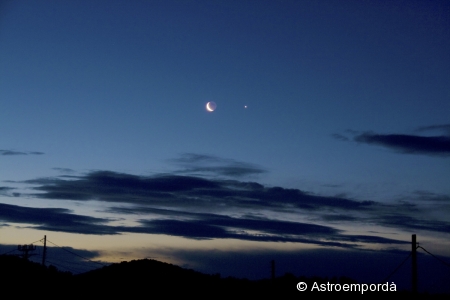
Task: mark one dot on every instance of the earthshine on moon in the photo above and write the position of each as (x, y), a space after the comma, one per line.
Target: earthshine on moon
(211, 106)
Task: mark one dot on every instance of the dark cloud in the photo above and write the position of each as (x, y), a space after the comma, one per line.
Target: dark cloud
(332, 185)
(13, 152)
(438, 145)
(339, 217)
(207, 164)
(264, 226)
(202, 230)
(54, 219)
(431, 197)
(410, 223)
(442, 128)
(7, 191)
(188, 225)
(64, 170)
(431, 145)
(214, 226)
(183, 191)
(370, 239)
(198, 226)
(300, 199)
(119, 187)
(199, 208)
(340, 137)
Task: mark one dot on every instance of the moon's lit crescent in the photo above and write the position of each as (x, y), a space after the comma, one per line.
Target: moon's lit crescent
(211, 106)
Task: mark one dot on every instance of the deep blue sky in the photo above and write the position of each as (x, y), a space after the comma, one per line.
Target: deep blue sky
(344, 143)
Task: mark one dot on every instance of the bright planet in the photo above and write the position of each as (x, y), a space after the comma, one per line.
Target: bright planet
(211, 106)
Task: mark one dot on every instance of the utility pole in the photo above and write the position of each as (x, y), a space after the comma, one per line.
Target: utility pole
(25, 249)
(414, 264)
(44, 253)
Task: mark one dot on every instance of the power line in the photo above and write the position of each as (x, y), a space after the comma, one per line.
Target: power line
(71, 269)
(37, 241)
(96, 262)
(16, 249)
(396, 269)
(8, 252)
(75, 265)
(443, 262)
(58, 265)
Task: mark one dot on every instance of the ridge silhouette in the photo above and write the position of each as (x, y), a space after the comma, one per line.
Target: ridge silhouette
(147, 277)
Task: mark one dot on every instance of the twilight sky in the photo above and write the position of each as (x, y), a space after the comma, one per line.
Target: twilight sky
(330, 140)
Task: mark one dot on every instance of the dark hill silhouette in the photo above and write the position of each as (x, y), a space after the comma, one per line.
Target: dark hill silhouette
(144, 278)
(149, 276)
(24, 277)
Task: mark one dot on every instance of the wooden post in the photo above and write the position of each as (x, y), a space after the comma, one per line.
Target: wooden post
(44, 253)
(414, 264)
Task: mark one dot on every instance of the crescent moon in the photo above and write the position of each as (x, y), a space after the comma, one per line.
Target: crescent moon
(210, 106)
